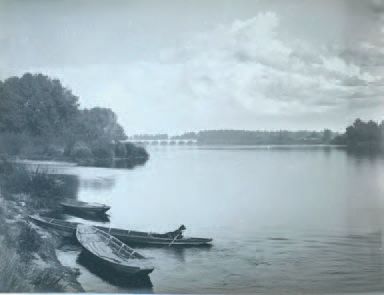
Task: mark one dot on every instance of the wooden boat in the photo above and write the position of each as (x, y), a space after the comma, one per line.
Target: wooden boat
(84, 207)
(112, 252)
(129, 237)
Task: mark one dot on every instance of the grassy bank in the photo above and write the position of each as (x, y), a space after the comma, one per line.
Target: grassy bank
(28, 261)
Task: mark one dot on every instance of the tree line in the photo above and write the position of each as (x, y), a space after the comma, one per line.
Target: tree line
(41, 118)
(362, 136)
(247, 137)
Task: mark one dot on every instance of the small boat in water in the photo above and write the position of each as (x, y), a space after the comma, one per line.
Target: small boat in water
(129, 237)
(84, 207)
(112, 252)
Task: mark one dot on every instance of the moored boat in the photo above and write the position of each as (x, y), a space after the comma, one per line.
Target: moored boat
(112, 252)
(127, 236)
(84, 207)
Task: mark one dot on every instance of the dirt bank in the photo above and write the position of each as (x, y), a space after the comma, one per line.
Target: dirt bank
(28, 260)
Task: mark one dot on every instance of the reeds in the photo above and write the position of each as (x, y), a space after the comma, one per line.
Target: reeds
(16, 178)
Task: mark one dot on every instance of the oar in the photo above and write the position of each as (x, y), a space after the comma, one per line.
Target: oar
(174, 239)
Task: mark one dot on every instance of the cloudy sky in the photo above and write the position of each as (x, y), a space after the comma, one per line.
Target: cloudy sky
(181, 65)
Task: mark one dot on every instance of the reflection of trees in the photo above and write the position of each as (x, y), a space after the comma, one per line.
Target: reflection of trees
(71, 185)
(99, 183)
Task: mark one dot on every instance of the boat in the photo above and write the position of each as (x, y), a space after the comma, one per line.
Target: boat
(112, 252)
(84, 207)
(129, 237)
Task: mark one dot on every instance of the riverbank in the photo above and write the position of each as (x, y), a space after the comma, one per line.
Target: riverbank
(96, 154)
(28, 260)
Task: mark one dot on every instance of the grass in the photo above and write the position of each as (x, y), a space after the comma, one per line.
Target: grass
(16, 178)
(12, 271)
(17, 276)
(19, 248)
(28, 261)
(47, 281)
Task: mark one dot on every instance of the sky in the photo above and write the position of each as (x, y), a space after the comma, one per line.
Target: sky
(172, 66)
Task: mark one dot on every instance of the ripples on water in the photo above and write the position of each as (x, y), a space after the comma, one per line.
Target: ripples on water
(283, 221)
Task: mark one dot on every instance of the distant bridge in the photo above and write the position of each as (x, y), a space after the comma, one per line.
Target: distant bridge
(187, 141)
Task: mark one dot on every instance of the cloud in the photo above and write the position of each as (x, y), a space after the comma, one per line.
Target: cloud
(250, 64)
(231, 76)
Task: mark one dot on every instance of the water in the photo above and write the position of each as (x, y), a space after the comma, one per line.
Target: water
(282, 219)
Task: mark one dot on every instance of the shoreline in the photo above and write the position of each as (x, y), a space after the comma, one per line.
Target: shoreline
(28, 257)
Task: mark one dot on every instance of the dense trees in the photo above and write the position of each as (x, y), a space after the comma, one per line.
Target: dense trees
(38, 116)
(362, 136)
(36, 105)
(247, 137)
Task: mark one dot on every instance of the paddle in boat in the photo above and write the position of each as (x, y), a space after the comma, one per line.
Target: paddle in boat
(129, 237)
(84, 207)
(112, 252)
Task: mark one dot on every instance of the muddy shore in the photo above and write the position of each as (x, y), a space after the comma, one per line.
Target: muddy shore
(28, 260)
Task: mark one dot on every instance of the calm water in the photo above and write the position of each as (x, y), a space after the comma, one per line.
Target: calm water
(282, 220)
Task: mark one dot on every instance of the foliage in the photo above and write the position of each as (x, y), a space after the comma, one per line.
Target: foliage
(36, 105)
(137, 152)
(41, 119)
(80, 151)
(363, 136)
(244, 137)
(39, 107)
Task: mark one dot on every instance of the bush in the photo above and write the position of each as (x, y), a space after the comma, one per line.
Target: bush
(80, 151)
(136, 152)
(101, 151)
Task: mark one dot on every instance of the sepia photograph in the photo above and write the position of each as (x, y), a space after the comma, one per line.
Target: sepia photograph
(192, 146)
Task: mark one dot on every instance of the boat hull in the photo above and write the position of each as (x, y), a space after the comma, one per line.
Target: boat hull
(126, 236)
(128, 271)
(111, 252)
(91, 211)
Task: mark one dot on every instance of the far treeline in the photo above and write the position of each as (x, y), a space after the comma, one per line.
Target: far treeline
(40, 119)
(245, 137)
(360, 136)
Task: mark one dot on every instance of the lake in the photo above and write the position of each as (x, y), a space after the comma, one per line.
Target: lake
(299, 219)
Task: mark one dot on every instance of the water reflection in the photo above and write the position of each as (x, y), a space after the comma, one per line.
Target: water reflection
(63, 214)
(124, 163)
(283, 220)
(130, 284)
(99, 183)
(71, 183)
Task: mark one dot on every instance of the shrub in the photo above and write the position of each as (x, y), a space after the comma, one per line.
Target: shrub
(80, 151)
(138, 153)
(103, 151)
